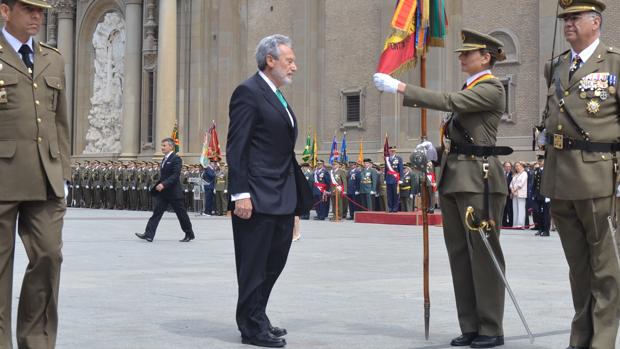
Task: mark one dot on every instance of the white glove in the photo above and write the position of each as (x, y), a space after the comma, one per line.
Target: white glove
(225, 191)
(400, 182)
(411, 196)
(429, 149)
(372, 193)
(357, 193)
(385, 83)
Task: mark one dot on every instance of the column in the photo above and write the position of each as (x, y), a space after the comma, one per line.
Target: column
(66, 38)
(165, 116)
(130, 143)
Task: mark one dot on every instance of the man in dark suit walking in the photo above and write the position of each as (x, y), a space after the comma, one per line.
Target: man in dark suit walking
(266, 185)
(168, 191)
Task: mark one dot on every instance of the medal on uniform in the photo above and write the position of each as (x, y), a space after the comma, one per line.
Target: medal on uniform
(583, 95)
(3, 96)
(593, 106)
(597, 93)
(612, 89)
(604, 95)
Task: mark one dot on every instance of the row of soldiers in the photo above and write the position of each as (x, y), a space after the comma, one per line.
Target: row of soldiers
(352, 187)
(125, 185)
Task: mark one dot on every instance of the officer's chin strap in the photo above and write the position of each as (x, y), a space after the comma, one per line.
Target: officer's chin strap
(483, 227)
(612, 219)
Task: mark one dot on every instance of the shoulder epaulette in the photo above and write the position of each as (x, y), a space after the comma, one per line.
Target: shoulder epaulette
(612, 49)
(49, 47)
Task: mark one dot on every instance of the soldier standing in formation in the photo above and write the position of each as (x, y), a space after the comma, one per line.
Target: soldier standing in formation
(470, 165)
(320, 190)
(581, 169)
(368, 184)
(338, 179)
(308, 173)
(353, 188)
(406, 192)
(542, 217)
(393, 174)
(221, 191)
(209, 174)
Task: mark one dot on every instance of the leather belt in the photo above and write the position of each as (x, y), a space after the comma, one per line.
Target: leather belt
(479, 150)
(561, 142)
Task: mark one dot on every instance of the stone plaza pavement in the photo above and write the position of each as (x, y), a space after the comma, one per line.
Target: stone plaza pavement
(345, 286)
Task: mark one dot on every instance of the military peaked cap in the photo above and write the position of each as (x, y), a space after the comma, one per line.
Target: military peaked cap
(577, 6)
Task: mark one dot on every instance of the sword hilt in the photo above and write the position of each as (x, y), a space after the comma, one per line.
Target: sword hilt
(473, 223)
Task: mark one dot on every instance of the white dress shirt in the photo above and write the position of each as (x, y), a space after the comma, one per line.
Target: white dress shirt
(586, 53)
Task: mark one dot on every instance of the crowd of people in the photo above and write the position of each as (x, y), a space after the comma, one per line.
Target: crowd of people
(525, 199)
(126, 185)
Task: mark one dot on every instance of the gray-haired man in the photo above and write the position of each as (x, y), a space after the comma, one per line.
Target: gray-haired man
(266, 184)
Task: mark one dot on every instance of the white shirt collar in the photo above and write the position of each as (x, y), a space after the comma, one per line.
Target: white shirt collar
(268, 81)
(587, 52)
(475, 76)
(274, 89)
(14, 42)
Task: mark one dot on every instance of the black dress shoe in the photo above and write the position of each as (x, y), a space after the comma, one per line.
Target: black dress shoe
(572, 347)
(277, 331)
(487, 341)
(144, 237)
(264, 339)
(187, 238)
(318, 219)
(464, 340)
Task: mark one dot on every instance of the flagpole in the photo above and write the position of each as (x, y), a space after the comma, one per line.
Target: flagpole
(425, 208)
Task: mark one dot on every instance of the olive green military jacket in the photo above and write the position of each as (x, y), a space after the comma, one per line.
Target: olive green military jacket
(34, 133)
(221, 180)
(577, 174)
(479, 110)
(368, 180)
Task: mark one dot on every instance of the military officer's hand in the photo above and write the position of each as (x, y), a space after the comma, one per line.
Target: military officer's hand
(386, 83)
(243, 208)
(159, 187)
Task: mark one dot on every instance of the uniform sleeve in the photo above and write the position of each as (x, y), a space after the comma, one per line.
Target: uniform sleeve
(62, 125)
(487, 95)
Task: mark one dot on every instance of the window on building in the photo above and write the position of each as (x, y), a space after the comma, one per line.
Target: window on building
(352, 108)
(509, 112)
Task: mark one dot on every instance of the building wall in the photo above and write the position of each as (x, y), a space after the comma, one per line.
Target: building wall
(337, 44)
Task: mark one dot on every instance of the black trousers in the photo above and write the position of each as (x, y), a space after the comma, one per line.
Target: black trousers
(322, 208)
(352, 207)
(161, 205)
(209, 200)
(262, 244)
(507, 218)
(542, 216)
(393, 198)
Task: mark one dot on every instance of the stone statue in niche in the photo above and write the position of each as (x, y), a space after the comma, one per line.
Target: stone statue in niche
(105, 118)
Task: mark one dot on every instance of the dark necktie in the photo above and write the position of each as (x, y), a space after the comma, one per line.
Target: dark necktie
(25, 51)
(575, 64)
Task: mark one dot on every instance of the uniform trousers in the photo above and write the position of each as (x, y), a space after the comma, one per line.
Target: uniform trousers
(366, 200)
(542, 217)
(406, 204)
(393, 199)
(353, 199)
(39, 225)
(209, 198)
(322, 208)
(478, 288)
(221, 202)
(594, 272)
(262, 244)
(161, 205)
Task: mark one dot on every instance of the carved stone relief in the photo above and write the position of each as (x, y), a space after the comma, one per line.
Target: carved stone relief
(106, 111)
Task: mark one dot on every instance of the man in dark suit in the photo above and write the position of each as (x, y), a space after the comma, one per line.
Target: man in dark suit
(266, 185)
(208, 175)
(168, 191)
(542, 218)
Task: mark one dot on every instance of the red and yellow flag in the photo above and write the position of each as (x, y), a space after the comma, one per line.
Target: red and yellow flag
(416, 24)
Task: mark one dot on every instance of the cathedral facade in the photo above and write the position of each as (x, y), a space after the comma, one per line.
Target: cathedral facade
(137, 68)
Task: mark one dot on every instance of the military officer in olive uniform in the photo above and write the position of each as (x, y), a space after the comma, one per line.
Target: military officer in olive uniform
(381, 190)
(77, 187)
(338, 178)
(406, 196)
(582, 144)
(221, 189)
(34, 167)
(368, 183)
(97, 185)
(470, 157)
(85, 183)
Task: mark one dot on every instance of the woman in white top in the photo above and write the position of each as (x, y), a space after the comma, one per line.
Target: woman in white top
(518, 190)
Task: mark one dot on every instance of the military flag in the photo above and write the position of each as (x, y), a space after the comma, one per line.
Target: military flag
(343, 149)
(204, 156)
(306, 156)
(213, 151)
(360, 156)
(333, 153)
(416, 24)
(315, 151)
(175, 137)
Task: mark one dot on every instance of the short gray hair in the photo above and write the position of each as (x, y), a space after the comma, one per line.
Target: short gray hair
(168, 140)
(270, 46)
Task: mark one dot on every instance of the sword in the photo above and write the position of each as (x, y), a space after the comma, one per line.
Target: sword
(482, 227)
(612, 231)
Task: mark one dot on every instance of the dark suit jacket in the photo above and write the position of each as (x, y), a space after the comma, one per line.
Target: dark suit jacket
(169, 177)
(260, 151)
(208, 175)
